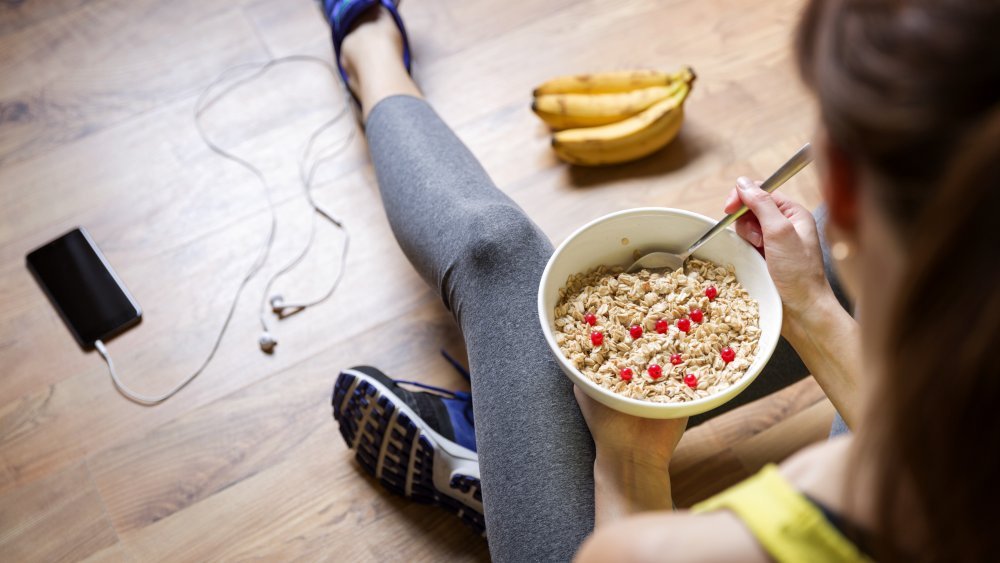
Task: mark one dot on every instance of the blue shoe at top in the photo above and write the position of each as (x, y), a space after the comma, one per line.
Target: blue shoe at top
(341, 15)
(419, 444)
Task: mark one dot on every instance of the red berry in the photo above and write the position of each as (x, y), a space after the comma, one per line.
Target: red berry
(684, 325)
(691, 380)
(697, 316)
(655, 371)
(661, 326)
(635, 331)
(711, 292)
(590, 319)
(675, 359)
(596, 338)
(626, 374)
(727, 354)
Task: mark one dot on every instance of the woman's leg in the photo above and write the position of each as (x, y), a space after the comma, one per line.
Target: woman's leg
(476, 246)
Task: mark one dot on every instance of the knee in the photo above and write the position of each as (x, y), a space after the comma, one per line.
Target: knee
(502, 237)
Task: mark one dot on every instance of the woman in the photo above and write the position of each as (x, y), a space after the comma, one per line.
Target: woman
(907, 149)
(909, 143)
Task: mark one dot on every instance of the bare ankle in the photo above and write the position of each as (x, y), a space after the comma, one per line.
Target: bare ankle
(372, 56)
(373, 36)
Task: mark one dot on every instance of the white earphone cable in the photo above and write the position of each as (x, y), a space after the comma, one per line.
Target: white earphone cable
(204, 103)
(307, 182)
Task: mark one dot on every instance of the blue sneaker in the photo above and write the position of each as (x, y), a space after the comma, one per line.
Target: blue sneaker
(420, 445)
(341, 15)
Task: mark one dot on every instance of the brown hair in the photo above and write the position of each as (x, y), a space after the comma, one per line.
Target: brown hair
(910, 89)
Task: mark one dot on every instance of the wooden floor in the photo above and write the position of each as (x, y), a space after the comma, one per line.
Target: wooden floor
(96, 129)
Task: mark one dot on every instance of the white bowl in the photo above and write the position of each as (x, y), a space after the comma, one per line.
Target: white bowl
(611, 241)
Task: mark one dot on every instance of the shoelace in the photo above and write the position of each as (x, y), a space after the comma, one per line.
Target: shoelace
(447, 392)
(456, 364)
(462, 395)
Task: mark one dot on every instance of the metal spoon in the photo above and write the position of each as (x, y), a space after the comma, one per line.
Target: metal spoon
(671, 261)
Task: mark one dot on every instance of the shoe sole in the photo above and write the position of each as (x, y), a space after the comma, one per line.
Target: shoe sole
(404, 455)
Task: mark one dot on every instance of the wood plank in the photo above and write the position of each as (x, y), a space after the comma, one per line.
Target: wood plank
(60, 517)
(114, 554)
(20, 15)
(299, 28)
(729, 448)
(210, 449)
(706, 478)
(731, 129)
(763, 414)
(83, 409)
(299, 509)
(95, 129)
(786, 437)
(77, 72)
(277, 433)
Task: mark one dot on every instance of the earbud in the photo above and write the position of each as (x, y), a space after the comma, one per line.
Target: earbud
(267, 342)
(277, 304)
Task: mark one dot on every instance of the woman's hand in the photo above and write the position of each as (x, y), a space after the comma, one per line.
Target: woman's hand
(821, 331)
(624, 437)
(785, 233)
(633, 454)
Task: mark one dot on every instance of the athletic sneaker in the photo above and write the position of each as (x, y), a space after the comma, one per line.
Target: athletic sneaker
(420, 445)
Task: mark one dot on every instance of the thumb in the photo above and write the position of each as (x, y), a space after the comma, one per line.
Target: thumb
(761, 203)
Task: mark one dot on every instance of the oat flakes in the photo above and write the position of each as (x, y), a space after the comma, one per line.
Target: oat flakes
(620, 300)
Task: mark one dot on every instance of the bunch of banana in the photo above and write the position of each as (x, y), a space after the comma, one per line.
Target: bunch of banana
(613, 117)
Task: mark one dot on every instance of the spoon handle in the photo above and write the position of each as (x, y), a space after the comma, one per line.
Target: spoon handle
(791, 167)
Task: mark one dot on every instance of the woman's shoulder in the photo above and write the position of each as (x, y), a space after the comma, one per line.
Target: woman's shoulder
(720, 535)
(831, 453)
(821, 470)
(674, 536)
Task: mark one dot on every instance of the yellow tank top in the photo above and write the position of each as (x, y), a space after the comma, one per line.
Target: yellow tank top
(787, 525)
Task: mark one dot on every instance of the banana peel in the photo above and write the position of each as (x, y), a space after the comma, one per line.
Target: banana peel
(630, 139)
(613, 117)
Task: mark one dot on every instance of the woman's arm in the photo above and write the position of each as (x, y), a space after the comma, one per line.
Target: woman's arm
(720, 535)
(677, 537)
(624, 486)
(633, 454)
(821, 331)
(828, 340)
(633, 508)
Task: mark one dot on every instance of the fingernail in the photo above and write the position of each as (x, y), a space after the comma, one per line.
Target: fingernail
(744, 183)
(755, 239)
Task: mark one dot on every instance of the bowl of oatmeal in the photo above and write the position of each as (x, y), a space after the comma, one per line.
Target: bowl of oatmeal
(658, 344)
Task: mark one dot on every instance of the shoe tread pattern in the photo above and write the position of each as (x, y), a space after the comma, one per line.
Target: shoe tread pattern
(366, 419)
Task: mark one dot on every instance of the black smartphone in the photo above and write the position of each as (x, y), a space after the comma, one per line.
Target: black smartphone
(92, 300)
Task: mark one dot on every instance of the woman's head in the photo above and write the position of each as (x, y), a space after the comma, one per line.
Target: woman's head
(909, 103)
(899, 84)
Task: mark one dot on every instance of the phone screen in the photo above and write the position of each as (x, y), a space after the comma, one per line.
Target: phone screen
(78, 280)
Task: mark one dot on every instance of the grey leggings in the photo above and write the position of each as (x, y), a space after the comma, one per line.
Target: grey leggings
(482, 253)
